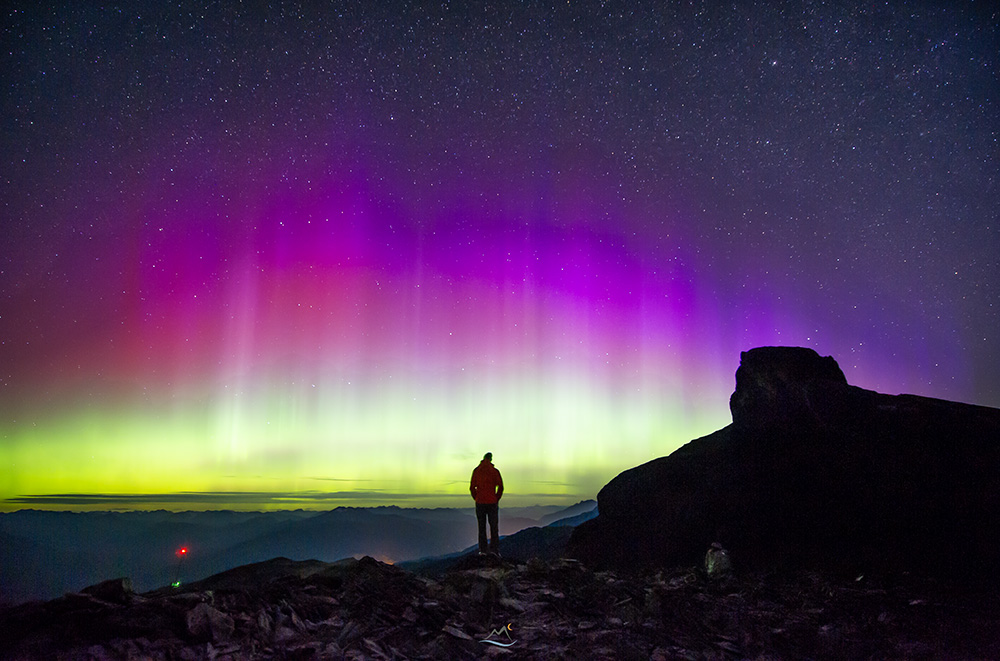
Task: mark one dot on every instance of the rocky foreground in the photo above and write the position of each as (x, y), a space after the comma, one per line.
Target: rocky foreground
(363, 609)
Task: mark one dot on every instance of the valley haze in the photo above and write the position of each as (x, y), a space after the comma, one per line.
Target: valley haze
(44, 554)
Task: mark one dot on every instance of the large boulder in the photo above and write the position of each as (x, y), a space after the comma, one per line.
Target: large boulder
(814, 473)
(785, 388)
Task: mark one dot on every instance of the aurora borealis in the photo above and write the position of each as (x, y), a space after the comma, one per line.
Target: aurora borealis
(308, 256)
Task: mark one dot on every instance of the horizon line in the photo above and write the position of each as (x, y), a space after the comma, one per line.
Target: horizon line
(268, 500)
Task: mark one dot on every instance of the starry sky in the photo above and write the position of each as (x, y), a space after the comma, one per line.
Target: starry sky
(326, 254)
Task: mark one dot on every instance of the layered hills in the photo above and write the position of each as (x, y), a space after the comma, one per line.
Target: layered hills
(45, 554)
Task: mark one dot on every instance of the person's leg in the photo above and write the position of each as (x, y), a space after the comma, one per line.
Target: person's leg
(481, 520)
(494, 516)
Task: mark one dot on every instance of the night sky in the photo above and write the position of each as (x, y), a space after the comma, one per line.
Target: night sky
(301, 257)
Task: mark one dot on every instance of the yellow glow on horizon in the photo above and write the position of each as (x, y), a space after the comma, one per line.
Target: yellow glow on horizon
(556, 440)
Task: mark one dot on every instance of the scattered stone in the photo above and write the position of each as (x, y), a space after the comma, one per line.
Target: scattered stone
(456, 632)
(206, 623)
(559, 609)
(717, 563)
(115, 591)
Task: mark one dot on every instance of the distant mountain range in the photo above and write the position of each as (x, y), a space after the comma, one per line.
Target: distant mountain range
(46, 554)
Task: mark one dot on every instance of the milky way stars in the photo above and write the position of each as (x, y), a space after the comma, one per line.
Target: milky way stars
(304, 257)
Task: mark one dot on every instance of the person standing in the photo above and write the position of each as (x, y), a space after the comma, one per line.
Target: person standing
(486, 487)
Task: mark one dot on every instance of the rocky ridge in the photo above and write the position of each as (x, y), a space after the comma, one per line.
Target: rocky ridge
(814, 473)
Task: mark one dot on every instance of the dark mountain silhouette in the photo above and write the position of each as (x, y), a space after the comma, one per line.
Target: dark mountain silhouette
(814, 473)
(577, 519)
(573, 515)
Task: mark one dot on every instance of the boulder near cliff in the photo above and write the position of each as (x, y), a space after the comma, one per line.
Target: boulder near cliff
(814, 473)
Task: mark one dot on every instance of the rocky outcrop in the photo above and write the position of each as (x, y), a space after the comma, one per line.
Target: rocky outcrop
(814, 473)
(785, 388)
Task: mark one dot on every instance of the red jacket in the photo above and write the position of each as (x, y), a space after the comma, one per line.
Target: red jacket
(486, 485)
